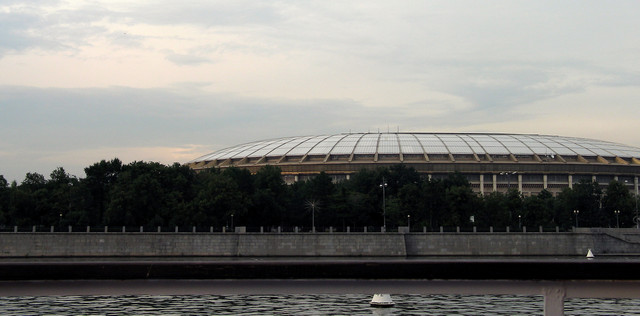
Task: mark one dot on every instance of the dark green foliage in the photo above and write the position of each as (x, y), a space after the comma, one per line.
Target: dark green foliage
(4, 200)
(618, 198)
(152, 194)
(538, 210)
(100, 178)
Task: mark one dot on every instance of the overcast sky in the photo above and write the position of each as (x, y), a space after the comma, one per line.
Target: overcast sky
(169, 81)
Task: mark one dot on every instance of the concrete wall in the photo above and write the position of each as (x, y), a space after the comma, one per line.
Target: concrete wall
(186, 244)
(321, 244)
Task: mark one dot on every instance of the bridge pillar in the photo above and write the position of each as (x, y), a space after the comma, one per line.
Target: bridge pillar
(554, 301)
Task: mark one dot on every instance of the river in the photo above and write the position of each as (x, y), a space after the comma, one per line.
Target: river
(326, 304)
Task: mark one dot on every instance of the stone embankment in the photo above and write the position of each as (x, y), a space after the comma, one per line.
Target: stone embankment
(600, 241)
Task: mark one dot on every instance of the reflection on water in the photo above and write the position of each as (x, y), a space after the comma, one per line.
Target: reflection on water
(305, 305)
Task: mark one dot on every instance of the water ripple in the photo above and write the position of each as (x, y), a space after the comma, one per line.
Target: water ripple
(354, 304)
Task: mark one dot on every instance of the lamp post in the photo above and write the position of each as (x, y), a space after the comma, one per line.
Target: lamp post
(519, 221)
(617, 212)
(508, 174)
(313, 215)
(232, 222)
(637, 218)
(383, 185)
(636, 198)
(576, 212)
(409, 222)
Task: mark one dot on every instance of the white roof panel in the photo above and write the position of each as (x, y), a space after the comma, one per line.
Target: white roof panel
(425, 143)
(432, 144)
(304, 147)
(388, 144)
(346, 145)
(324, 147)
(368, 144)
(410, 145)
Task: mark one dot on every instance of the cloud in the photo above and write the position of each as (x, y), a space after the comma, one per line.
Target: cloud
(187, 60)
(207, 13)
(90, 78)
(604, 112)
(50, 126)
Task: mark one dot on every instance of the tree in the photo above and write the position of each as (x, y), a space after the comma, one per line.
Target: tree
(433, 195)
(584, 198)
(618, 198)
(148, 193)
(59, 199)
(269, 200)
(411, 203)
(514, 207)
(29, 201)
(4, 200)
(218, 198)
(495, 211)
(100, 177)
(538, 210)
(365, 198)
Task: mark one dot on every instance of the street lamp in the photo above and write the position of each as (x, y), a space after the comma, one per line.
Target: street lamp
(617, 212)
(508, 174)
(576, 212)
(383, 185)
(519, 221)
(232, 222)
(636, 198)
(409, 222)
(637, 218)
(313, 205)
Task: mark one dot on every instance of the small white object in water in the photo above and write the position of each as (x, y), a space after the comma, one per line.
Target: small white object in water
(381, 300)
(590, 255)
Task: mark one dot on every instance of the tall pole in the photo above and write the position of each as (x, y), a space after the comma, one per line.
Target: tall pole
(383, 185)
(508, 174)
(617, 212)
(312, 204)
(313, 217)
(576, 212)
(637, 218)
(519, 221)
(636, 198)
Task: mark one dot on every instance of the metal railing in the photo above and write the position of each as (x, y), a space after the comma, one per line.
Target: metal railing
(283, 229)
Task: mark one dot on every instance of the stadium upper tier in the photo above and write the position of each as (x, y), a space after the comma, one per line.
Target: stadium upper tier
(423, 146)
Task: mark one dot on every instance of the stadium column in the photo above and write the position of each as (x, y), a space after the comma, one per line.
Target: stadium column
(519, 182)
(570, 181)
(495, 182)
(545, 181)
(482, 184)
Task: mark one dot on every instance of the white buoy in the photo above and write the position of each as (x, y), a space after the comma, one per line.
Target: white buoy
(381, 300)
(590, 255)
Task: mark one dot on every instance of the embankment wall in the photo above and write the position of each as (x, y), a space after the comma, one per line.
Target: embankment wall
(315, 244)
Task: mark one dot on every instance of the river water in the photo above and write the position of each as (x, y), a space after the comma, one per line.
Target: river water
(329, 304)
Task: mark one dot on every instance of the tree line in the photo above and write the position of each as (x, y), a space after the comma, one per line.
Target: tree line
(153, 194)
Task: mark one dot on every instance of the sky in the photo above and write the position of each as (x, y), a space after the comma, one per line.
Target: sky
(169, 81)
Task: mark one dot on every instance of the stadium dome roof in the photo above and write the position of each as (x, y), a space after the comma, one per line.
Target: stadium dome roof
(422, 144)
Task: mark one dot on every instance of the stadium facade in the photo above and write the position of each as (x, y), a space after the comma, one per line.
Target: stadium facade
(492, 162)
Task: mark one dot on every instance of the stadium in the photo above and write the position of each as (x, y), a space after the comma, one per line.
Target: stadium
(490, 161)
